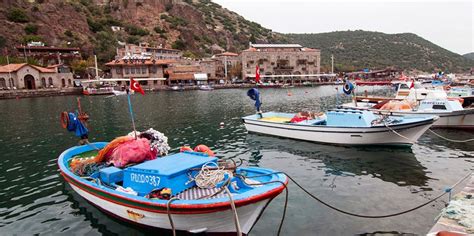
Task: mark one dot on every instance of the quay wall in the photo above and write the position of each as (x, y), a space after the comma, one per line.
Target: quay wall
(28, 93)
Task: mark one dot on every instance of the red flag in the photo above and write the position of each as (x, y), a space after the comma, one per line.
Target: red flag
(257, 75)
(135, 86)
(412, 85)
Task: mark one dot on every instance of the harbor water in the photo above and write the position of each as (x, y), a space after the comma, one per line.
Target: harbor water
(34, 198)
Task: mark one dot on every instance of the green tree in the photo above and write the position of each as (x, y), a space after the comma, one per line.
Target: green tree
(179, 44)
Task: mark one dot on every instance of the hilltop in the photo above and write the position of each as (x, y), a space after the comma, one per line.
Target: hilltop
(355, 50)
(194, 26)
(469, 55)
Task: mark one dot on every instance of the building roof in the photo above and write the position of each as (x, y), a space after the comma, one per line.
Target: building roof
(227, 54)
(276, 46)
(139, 62)
(45, 48)
(15, 67)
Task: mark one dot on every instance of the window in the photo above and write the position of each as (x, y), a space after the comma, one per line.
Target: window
(155, 82)
(50, 81)
(132, 70)
(118, 70)
(153, 69)
(127, 70)
(63, 82)
(3, 83)
(43, 82)
(143, 69)
(439, 107)
(69, 82)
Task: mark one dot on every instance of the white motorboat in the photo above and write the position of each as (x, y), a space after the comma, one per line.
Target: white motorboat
(343, 127)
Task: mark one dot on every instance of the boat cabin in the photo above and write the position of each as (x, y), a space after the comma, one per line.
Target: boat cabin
(440, 105)
(349, 118)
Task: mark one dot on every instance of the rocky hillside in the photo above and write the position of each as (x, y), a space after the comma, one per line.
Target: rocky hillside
(355, 50)
(469, 55)
(195, 26)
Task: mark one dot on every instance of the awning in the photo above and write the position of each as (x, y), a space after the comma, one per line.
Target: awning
(200, 76)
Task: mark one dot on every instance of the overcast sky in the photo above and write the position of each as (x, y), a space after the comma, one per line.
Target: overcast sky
(448, 24)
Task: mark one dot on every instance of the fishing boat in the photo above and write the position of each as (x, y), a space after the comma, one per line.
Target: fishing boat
(342, 126)
(126, 193)
(176, 88)
(103, 90)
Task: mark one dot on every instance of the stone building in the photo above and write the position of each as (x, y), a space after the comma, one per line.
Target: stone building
(234, 65)
(26, 76)
(280, 61)
(140, 68)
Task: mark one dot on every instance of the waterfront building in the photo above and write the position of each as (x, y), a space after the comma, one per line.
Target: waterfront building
(187, 75)
(27, 76)
(144, 50)
(48, 55)
(280, 61)
(140, 68)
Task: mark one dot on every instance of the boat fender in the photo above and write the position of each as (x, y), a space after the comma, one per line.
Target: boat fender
(64, 119)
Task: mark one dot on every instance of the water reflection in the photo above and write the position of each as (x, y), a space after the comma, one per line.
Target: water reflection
(398, 166)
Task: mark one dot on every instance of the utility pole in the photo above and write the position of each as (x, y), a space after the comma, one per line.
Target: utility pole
(96, 69)
(332, 64)
(225, 66)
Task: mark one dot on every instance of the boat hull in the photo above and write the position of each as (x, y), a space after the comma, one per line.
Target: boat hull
(216, 222)
(342, 135)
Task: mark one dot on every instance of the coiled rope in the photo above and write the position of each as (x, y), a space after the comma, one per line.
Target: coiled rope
(210, 175)
(452, 140)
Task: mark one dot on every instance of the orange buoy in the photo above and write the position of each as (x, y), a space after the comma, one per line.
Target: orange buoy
(185, 149)
(204, 149)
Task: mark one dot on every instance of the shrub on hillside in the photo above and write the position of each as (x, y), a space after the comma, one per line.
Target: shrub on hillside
(31, 29)
(17, 15)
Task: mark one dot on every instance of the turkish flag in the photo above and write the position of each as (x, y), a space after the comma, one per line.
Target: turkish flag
(135, 86)
(412, 85)
(257, 75)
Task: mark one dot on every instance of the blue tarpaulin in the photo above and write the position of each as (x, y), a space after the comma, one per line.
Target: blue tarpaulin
(254, 94)
(76, 126)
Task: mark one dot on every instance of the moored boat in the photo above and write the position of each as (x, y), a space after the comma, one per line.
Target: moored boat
(205, 87)
(126, 192)
(342, 127)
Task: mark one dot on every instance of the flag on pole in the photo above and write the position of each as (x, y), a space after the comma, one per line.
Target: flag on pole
(135, 86)
(412, 85)
(257, 75)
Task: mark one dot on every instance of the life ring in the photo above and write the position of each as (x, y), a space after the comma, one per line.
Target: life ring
(64, 119)
(347, 88)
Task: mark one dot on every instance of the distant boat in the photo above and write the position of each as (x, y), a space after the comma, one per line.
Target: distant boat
(343, 127)
(205, 87)
(176, 88)
(98, 91)
(127, 193)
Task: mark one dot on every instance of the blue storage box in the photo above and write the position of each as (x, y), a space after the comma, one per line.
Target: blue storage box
(166, 172)
(111, 175)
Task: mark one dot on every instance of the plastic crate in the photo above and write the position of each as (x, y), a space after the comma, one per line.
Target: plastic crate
(111, 175)
(166, 172)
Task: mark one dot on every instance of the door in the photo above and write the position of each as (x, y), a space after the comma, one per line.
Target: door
(29, 82)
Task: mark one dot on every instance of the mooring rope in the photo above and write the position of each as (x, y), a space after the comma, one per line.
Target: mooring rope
(447, 190)
(169, 214)
(234, 210)
(452, 140)
(395, 132)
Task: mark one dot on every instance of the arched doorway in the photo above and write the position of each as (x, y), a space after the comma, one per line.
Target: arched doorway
(43, 82)
(3, 83)
(63, 82)
(29, 82)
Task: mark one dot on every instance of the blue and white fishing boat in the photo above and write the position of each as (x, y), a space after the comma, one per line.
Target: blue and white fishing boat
(233, 204)
(342, 127)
